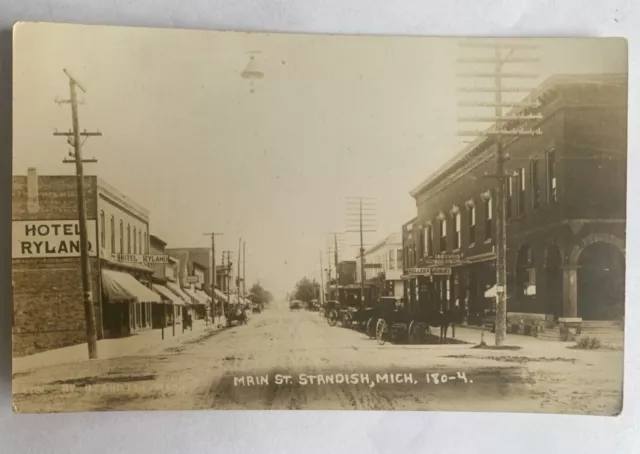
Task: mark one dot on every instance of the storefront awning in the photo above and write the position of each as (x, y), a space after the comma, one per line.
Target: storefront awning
(168, 295)
(220, 296)
(193, 299)
(123, 287)
(175, 288)
(202, 297)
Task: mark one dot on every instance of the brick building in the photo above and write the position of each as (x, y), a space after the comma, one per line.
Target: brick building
(48, 302)
(566, 211)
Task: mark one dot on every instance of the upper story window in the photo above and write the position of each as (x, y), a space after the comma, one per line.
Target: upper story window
(509, 207)
(392, 259)
(121, 238)
(535, 184)
(103, 233)
(112, 231)
(552, 184)
(443, 234)
(488, 212)
(471, 222)
(399, 258)
(128, 239)
(135, 242)
(146, 243)
(428, 240)
(139, 241)
(522, 188)
(457, 227)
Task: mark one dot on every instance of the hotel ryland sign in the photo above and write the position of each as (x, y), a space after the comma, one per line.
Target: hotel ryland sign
(50, 239)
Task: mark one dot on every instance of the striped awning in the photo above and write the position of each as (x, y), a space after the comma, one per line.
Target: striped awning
(122, 287)
(168, 295)
(175, 288)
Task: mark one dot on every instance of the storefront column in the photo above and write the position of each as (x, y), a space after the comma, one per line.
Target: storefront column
(570, 291)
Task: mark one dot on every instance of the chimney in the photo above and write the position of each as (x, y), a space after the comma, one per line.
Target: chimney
(32, 191)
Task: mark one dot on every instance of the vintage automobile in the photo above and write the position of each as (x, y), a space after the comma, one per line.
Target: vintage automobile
(236, 313)
(295, 305)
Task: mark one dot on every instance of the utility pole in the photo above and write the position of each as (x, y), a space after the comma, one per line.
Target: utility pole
(334, 251)
(361, 216)
(244, 271)
(321, 282)
(504, 125)
(73, 139)
(228, 274)
(214, 275)
(238, 275)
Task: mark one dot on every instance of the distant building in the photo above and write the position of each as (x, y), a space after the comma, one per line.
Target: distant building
(383, 266)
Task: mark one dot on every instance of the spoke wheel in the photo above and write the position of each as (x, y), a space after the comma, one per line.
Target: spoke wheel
(347, 319)
(412, 332)
(371, 328)
(381, 332)
(332, 318)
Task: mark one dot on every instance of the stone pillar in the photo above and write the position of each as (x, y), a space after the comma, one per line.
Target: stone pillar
(570, 291)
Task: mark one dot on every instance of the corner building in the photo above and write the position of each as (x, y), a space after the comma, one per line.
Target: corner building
(48, 308)
(566, 212)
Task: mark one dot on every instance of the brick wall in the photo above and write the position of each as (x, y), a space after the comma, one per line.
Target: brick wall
(48, 310)
(57, 197)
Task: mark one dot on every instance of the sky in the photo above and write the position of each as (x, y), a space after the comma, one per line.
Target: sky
(270, 160)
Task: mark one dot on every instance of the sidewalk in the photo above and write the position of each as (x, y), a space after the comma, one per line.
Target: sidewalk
(531, 344)
(147, 342)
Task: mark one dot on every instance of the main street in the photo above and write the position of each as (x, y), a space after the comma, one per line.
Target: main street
(286, 359)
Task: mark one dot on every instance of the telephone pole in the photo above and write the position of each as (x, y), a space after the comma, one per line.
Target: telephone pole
(214, 274)
(244, 271)
(334, 251)
(73, 139)
(509, 125)
(238, 275)
(228, 274)
(361, 217)
(321, 282)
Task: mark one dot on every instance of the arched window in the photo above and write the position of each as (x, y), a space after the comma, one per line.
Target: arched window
(112, 232)
(102, 229)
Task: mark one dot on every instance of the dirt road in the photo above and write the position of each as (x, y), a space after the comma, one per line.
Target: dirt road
(294, 360)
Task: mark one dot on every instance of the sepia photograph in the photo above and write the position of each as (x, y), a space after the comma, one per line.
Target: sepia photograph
(219, 220)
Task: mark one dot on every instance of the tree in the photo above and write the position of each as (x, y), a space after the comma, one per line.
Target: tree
(306, 290)
(259, 295)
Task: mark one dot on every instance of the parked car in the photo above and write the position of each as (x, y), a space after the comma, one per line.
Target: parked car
(295, 305)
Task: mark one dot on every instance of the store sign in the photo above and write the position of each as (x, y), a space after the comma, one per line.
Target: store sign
(142, 259)
(192, 279)
(50, 239)
(446, 260)
(430, 271)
